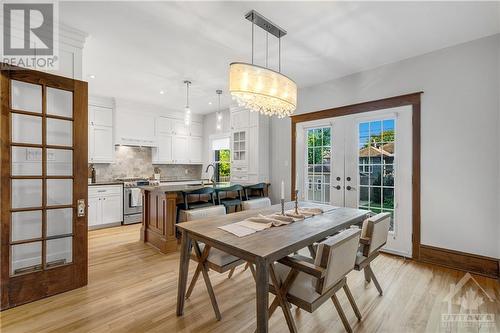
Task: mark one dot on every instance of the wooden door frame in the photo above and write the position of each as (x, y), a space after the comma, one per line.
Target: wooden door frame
(414, 101)
(22, 288)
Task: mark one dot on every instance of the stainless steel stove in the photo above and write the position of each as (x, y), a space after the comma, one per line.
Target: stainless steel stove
(132, 199)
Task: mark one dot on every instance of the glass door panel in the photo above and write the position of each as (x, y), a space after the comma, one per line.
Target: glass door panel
(26, 193)
(26, 96)
(59, 222)
(26, 257)
(59, 162)
(59, 132)
(26, 161)
(59, 102)
(26, 129)
(59, 192)
(26, 225)
(318, 164)
(59, 251)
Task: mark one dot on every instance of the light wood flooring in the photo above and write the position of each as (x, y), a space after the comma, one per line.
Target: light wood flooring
(132, 288)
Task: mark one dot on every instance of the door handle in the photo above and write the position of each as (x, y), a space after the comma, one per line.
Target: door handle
(337, 187)
(81, 207)
(349, 188)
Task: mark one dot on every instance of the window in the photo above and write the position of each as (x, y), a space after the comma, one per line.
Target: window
(376, 166)
(222, 164)
(318, 164)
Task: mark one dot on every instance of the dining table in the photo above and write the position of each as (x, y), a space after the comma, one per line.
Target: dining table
(262, 248)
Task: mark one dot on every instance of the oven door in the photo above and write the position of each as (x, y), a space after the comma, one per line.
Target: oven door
(127, 204)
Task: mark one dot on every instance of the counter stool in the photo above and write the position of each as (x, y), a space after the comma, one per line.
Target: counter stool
(231, 202)
(187, 205)
(260, 187)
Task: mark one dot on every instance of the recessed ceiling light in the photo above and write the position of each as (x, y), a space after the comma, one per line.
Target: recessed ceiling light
(92, 76)
(161, 92)
(209, 103)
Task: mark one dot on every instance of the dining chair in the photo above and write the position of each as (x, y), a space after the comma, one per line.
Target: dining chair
(229, 202)
(373, 237)
(209, 258)
(259, 203)
(308, 285)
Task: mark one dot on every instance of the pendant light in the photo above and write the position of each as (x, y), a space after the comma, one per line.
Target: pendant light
(187, 109)
(261, 89)
(219, 114)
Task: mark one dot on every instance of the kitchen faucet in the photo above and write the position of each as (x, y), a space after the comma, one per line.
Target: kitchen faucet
(212, 179)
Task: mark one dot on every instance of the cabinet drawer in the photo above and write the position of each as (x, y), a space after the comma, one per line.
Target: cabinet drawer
(237, 177)
(106, 190)
(239, 169)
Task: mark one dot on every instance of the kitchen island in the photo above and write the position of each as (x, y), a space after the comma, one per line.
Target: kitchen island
(160, 212)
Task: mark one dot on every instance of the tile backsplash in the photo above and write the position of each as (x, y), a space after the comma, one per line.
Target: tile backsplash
(136, 162)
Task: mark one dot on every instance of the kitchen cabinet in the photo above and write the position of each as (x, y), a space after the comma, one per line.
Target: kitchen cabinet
(249, 146)
(180, 149)
(164, 126)
(135, 129)
(105, 205)
(196, 129)
(100, 134)
(180, 127)
(195, 149)
(163, 153)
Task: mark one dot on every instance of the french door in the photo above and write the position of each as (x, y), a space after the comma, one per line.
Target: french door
(44, 185)
(362, 161)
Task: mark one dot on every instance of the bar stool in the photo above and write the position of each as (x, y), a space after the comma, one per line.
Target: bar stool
(187, 205)
(260, 187)
(231, 202)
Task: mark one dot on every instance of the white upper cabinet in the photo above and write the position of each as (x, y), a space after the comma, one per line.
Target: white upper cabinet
(180, 127)
(195, 149)
(163, 153)
(164, 125)
(239, 119)
(196, 129)
(100, 135)
(135, 129)
(180, 149)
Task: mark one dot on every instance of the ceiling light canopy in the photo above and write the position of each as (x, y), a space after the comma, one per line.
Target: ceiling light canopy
(261, 89)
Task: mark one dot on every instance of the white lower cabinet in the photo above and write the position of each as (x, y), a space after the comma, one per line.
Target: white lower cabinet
(105, 205)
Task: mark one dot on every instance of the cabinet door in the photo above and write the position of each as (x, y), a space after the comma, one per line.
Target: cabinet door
(239, 119)
(94, 211)
(102, 116)
(164, 149)
(195, 149)
(179, 149)
(180, 127)
(103, 144)
(91, 143)
(164, 126)
(196, 129)
(112, 209)
(240, 147)
(253, 150)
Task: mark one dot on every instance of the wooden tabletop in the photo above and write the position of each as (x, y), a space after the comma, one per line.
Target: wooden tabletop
(276, 242)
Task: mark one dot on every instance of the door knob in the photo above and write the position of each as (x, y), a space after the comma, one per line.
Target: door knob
(349, 188)
(337, 187)
(348, 179)
(338, 179)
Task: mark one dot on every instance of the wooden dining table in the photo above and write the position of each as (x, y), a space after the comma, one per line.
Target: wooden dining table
(262, 248)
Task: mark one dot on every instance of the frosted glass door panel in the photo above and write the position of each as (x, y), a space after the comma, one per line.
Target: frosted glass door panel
(26, 129)
(59, 132)
(59, 162)
(59, 192)
(59, 251)
(26, 193)
(59, 102)
(26, 257)
(26, 161)
(26, 96)
(59, 221)
(26, 225)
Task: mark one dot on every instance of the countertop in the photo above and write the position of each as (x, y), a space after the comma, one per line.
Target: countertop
(180, 188)
(109, 182)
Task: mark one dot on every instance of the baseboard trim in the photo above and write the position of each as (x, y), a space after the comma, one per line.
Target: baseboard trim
(486, 266)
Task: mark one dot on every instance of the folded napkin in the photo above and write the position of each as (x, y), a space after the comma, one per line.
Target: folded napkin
(304, 212)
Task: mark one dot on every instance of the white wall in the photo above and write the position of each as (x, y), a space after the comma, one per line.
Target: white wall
(209, 128)
(460, 167)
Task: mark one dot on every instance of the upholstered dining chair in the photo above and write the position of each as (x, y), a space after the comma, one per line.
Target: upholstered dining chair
(209, 258)
(308, 285)
(373, 237)
(259, 203)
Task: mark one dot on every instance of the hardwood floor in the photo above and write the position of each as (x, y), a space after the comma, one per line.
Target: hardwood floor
(132, 288)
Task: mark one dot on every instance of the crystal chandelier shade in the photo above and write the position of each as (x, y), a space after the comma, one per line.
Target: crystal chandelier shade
(262, 90)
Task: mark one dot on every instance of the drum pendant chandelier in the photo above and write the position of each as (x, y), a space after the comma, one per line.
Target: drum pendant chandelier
(261, 89)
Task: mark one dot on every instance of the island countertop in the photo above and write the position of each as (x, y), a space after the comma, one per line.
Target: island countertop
(165, 188)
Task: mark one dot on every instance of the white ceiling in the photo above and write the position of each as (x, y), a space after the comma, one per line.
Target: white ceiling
(136, 49)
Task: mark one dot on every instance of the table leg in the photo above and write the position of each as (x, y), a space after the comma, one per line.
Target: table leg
(262, 290)
(183, 271)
